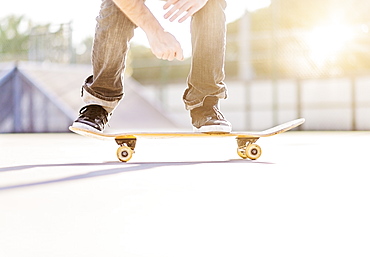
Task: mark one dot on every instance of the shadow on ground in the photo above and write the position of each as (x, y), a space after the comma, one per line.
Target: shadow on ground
(124, 167)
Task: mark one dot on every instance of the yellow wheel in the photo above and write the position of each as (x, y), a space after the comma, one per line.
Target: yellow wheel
(241, 152)
(124, 153)
(253, 151)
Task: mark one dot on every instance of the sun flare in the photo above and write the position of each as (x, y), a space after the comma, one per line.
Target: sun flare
(325, 43)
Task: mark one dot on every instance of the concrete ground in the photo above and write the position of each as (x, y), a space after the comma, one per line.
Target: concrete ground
(66, 195)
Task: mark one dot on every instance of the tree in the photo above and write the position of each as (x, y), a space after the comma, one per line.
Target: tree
(14, 37)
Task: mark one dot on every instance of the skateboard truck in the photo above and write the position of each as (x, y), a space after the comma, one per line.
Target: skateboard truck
(126, 149)
(248, 149)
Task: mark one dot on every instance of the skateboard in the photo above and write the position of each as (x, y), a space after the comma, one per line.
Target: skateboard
(246, 141)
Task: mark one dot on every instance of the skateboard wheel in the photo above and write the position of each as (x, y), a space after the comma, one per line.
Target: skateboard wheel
(124, 153)
(253, 151)
(241, 152)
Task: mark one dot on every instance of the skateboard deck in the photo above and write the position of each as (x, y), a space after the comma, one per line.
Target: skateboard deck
(245, 140)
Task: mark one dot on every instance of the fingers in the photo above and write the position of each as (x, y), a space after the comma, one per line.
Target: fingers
(169, 3)
(179, 55)
(164, 45)
(177, 9)
(187, 15)
(185, 8)
(167, 51)
(175, 12)
(170, 56)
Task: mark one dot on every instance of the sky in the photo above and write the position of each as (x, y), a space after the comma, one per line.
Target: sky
(82, 13)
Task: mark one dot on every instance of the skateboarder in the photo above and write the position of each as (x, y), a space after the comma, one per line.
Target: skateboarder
(116, 22)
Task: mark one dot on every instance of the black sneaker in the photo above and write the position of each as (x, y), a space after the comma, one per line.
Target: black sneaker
(208, 118)
(92, 117)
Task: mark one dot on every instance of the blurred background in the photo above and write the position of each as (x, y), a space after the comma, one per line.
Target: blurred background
(285, 59)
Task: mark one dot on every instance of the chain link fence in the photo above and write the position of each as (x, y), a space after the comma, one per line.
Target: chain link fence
(20, 40)
(52, 43)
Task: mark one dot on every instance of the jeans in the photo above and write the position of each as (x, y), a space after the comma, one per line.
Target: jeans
(111, 43)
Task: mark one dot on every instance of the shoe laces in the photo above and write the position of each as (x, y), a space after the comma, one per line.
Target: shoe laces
(95, 111)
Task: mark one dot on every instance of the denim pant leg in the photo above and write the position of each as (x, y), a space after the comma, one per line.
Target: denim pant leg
(111, 43)
(206, 77)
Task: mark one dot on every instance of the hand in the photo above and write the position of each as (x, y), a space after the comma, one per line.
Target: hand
(182, 7)
(165, 46)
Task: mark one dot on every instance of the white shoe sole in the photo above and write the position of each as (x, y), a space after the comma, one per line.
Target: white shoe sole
(213, 129)
(85, 127)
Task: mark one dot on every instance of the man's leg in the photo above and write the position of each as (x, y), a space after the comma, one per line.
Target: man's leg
(206, 79)
(103, 90)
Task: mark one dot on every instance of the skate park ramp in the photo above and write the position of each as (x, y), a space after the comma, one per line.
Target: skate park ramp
(62, 85)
